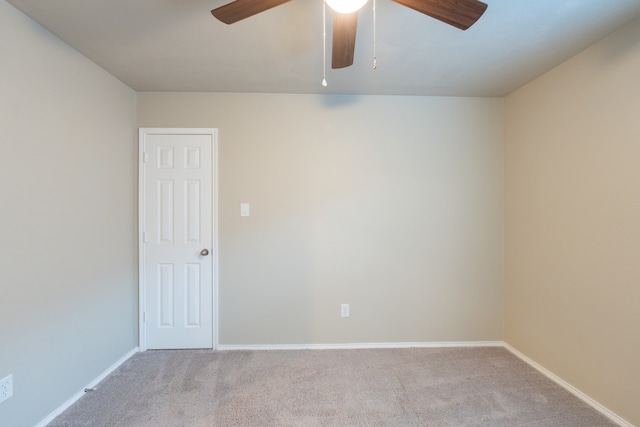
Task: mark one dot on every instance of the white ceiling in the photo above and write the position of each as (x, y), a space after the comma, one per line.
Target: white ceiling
(176, 45)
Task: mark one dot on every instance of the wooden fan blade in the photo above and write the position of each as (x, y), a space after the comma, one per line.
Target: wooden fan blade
(241, 9)
(459, 13)
(344, 39)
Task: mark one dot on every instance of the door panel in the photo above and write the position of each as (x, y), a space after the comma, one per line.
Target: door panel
(178, 226)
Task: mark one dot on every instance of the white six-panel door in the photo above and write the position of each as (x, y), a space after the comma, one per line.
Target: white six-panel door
(177, 248)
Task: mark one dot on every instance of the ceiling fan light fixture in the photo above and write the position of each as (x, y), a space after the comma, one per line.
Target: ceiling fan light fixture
(346, 6)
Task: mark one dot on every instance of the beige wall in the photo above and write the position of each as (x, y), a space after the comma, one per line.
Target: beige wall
(391, 204)
(572, 201)
(68, 290)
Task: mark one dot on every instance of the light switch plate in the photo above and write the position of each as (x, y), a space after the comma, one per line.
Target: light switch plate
(244, 209)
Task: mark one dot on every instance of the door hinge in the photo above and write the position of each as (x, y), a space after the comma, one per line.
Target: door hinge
(144, 157)
(144, 317)
(144, 237)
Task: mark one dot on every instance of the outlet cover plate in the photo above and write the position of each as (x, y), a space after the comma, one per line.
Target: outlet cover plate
(6, 388)
(344, 310)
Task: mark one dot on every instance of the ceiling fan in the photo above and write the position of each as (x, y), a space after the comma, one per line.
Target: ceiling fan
(459, 13)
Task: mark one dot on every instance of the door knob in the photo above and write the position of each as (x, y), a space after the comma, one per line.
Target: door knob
(204, 252)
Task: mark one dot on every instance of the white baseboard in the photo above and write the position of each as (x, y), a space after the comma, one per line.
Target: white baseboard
(597, 406)
(357, 346)
(81, 393)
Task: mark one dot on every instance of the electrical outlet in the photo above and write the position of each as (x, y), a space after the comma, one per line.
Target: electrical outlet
(6, 388)
(344, 310)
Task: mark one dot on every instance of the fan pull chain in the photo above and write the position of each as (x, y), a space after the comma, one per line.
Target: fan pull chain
(375, 60)
(324, 43)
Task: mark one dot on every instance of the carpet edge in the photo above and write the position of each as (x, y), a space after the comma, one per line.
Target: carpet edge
(73, 399)
(571, 389)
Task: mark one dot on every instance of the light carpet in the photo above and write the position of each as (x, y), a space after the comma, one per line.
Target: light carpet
(374, 387)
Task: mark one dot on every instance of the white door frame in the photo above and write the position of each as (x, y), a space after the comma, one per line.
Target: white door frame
(142, 344)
